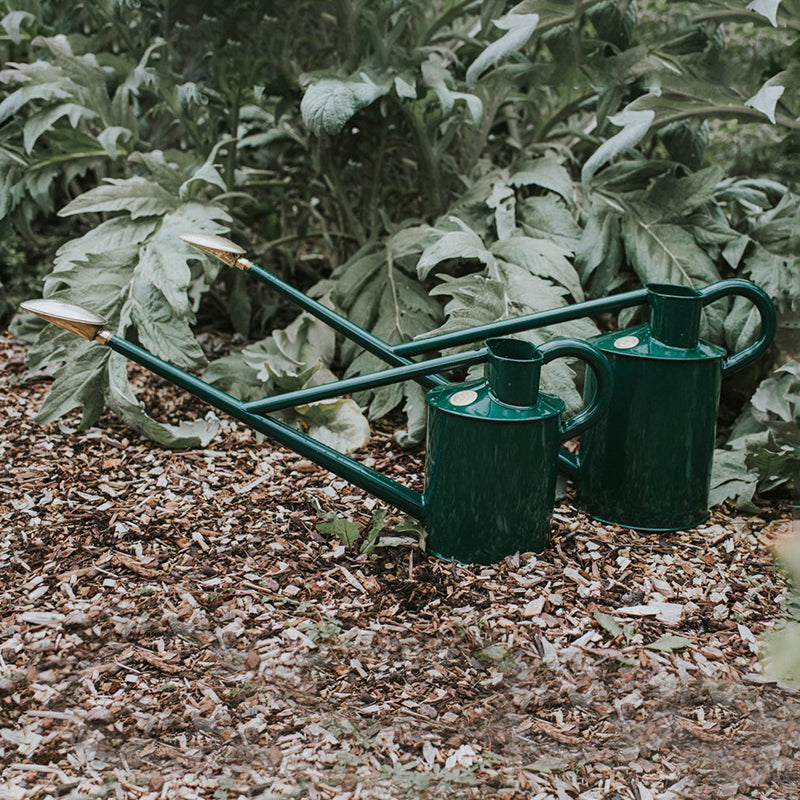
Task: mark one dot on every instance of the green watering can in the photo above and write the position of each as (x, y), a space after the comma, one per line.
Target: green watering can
(492, 443)
(647, 463)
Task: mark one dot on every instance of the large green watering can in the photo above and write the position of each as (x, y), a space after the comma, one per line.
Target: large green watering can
(647, 464)
(492, 443)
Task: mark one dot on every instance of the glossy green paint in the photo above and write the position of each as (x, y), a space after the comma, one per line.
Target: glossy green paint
(360, 383)
(492, 450)
(647, 463)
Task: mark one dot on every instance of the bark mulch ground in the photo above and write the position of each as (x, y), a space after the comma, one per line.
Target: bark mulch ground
(173, 625)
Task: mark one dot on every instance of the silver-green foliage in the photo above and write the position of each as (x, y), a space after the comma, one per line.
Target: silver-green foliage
(488, 161)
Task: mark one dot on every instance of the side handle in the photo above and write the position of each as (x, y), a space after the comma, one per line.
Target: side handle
(588, 415)
(766, 308)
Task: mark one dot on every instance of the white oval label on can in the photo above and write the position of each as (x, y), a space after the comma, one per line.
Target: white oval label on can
(626, 342)
(463, 398)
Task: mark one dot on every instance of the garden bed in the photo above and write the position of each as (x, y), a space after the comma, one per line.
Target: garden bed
(173, 624)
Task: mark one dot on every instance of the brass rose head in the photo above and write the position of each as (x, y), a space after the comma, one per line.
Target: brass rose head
(224, 249)
(72, 318)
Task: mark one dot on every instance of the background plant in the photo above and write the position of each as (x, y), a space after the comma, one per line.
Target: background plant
(425, 165)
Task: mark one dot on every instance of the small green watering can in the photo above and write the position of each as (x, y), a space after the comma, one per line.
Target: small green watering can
(492, 443)
(647, 463)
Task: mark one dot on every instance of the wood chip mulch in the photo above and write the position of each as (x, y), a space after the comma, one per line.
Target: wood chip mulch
(172, 625)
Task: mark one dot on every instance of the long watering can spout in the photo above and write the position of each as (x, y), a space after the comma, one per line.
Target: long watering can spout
(72, 318)
(84, 323)
(232, 254)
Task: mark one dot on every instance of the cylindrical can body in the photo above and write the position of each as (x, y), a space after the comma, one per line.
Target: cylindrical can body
(647, 463)
(490, 474)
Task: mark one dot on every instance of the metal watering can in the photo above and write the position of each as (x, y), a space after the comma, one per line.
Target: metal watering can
(639, 465)
(492, 443)
(647, 463)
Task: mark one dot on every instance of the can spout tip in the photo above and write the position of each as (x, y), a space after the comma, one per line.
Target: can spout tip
(224, 249)
(72, 318)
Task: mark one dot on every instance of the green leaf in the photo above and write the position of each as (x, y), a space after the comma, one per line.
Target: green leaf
(614, 22)
(12, 23)
(635, 125)
(731, 479)
(328, 104)
(461, 244)
(436, 77)
(123, 402)
(547, 173)
(109, 137)
(337, 422)
(543, 258)
(665, 253)
(767, 8)
(159, 330)
(416, 411)
(138, 196)
(345, 530)
(669, 643)
(520, 28)
(44, 120)
(765, 100)
(608, 624)
(494, 653)
(233, 374)
(80, 382)
(374, 529)
(548, 218)
(780, 394)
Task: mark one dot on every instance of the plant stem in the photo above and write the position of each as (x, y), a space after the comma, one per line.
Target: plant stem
(230, 156)
(428, 173)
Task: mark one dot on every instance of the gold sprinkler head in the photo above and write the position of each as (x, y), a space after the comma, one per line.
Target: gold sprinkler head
(224, 249)
(71, 318)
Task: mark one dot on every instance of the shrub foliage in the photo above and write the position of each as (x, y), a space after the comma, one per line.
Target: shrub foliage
(422, 164)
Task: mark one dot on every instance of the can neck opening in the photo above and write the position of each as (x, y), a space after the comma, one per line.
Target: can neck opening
(675, 313)
(513, 371)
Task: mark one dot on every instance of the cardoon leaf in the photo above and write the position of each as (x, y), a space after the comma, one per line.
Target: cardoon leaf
(767, 9)
(138, 196)
(765, 100)
(124, 404)
(328, 104)
(12, 22)
(520, 28)
(44, 120)
(635, 125)
(455, 244)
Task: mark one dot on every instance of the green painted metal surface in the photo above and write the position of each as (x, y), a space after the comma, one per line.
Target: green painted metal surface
(647, 463)
(492, 451)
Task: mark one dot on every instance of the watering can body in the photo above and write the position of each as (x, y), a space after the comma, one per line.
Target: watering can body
(647, 464)
(490, 474)
(492, 452)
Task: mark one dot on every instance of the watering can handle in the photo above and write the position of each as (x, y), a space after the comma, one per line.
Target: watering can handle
(598, 363)
(765, 308)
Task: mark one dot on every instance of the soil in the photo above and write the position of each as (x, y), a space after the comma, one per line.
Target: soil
(174, 625)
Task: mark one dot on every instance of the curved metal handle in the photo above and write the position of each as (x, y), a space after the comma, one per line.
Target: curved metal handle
(598, 363)
(765, 308)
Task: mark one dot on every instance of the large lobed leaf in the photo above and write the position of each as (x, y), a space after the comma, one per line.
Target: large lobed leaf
(134, 270)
